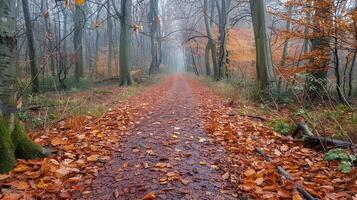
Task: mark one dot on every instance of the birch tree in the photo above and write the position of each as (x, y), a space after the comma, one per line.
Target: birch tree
(14, 143)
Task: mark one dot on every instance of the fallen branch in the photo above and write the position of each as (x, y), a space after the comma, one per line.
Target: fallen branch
(311, 140)
(286, 174)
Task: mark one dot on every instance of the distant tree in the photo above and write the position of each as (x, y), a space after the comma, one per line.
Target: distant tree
(78, 19)
(264, 64)
(211, 44)
(223, 14)
(31, 47)
(125, 17)
(14, 143)
(155, 35)
(110, 40)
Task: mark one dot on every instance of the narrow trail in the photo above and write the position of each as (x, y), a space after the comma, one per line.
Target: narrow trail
(168, 155)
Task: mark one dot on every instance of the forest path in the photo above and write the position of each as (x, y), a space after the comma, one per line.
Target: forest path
(168, 155)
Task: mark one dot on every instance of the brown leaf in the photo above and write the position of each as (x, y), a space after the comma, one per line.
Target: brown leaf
(150, 196)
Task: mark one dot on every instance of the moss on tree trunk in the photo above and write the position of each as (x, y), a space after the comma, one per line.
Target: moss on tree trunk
(14, 144)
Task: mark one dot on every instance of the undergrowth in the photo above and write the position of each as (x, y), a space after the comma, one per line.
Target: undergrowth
(93, 99)
(285, 110)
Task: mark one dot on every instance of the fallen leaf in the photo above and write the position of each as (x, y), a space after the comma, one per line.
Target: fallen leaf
(4, 176)
(225, 176)
(20, 168)
(57, 141)
(149, 196)
(41, 185)
(22, 185)
(249, 172)
(185, 182)
(259, 181)
(284, 193)
(12, 196)
(116, 193)
(93, 158)
(79, 2)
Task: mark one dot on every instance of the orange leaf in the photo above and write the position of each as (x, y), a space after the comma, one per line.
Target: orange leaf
(149, 196)
(284, 193)
(79, 2)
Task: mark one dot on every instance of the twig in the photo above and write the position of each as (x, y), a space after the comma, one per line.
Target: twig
(286, 174)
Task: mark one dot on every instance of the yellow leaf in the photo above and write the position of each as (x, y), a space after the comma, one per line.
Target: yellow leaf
(202, 163)
(41, 185)
(20, 168)
(79, 2)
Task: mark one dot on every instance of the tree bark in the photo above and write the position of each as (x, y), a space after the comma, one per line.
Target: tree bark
(125, 42)
(155, 26)
(223, 32)
(77, 42)
(207, 60)
(110, 40)
(31, 46)
(264, 64)
(14, 143)
(211, 42)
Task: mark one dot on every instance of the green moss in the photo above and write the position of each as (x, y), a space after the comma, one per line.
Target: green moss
(7, 157)
(25, 148)
(281, 126)
(15, 145)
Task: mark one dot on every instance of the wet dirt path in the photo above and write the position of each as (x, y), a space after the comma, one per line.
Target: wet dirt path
(168, 156)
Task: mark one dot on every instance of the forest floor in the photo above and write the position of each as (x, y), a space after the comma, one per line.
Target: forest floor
(173, 140)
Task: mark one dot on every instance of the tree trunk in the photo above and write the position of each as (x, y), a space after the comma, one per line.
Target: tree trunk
(207, 63)
(154, 19)
(77, 42)
(110, 41)
(223, 32)
(264, 64)
(125, 42)
(211, 42)
(31, 46)
(97, 45)
(14, 143)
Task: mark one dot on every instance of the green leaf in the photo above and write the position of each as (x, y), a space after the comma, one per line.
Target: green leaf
(336, 154)
(345, 166)
(300, 112)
